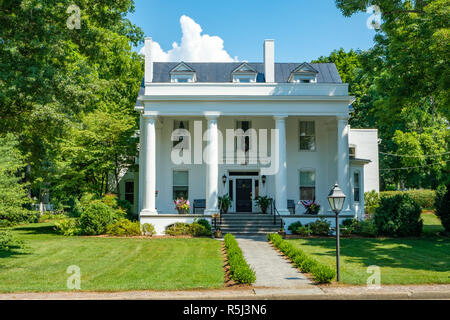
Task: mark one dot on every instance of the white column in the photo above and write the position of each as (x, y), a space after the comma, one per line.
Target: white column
(343, 174)
(281, 175)
(149, 181)
(212, 166)
(141, 161)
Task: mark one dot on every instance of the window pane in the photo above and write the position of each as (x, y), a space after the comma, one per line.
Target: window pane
(307, 193)
(307, 143)
(180, 192)
(180, 178)
(356, 179)
(129, 187)
(356, 194)
(129, 197)
(307, 179)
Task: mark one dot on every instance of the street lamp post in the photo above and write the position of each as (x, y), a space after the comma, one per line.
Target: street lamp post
(336, 199)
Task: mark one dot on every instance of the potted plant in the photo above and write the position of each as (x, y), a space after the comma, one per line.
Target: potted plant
(225, 203)
(182, 205)
(217, 233)
(263, 203)
(311, 206)
(282, 232)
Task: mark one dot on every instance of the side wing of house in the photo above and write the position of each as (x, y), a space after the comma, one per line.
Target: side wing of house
(364, 144)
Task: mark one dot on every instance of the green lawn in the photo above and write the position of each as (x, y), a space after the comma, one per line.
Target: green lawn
(109, 264)
(401, 261)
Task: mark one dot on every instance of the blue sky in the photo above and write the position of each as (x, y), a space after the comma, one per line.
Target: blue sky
(302, 29)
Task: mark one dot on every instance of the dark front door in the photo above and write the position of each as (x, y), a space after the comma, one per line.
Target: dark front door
(243, 195)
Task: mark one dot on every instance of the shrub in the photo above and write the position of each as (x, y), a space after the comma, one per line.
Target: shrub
(198, 230)
(365, 228)
(398, 216)
(19, 216)
(96, 216)
(294, 226)
(205, 223)
(240, 271)
(321, 273)
(308, 264)
(68, 227)
(304, 231)
(442, 204)
(9, 242)
(148, 229)
(320, 227)
(371, 202)
(124, 227)
(49, 217)
(178, 229)
(425, 198)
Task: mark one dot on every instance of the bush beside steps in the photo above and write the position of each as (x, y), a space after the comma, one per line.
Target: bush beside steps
(321, 272)
(240, 271)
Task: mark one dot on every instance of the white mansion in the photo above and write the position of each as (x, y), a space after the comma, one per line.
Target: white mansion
(247, 130)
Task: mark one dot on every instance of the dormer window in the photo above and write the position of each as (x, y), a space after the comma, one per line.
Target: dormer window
(182, 73)
(244, 74)
(304, 73)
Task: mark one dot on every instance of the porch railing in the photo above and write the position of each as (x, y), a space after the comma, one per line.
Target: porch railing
(275, 213)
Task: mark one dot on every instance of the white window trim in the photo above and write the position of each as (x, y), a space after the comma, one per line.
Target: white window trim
(238, 76)
(297, 78)
(315, 136)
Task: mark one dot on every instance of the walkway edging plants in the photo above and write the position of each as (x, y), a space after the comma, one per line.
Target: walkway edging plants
(321, 272)
(240, 271)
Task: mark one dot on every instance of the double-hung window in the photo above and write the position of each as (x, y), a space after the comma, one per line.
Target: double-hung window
(307, 185)
(129, 191)
(356, 186)
(307, 136)
(180, 184)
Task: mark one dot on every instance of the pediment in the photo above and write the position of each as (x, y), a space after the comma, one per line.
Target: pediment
(244, 68)
(305, 68)
(182, 67)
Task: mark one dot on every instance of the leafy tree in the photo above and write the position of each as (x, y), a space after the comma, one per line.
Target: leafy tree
(406, 74)
(53, 78)
(13, 195)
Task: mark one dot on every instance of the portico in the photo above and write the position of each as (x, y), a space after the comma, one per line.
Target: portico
(275, 130)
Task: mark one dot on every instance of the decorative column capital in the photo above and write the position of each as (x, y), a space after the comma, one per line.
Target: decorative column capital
(149, 116)
(212, 115)
(279, 117)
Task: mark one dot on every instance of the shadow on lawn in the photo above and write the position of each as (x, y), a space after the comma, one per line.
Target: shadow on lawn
(418, 253)
(37, 229)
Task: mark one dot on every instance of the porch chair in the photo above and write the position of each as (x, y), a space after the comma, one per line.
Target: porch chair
(291, 206)
(199, 204)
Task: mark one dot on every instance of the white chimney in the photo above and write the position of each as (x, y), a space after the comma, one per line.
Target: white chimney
(269, 60)
(148, 75)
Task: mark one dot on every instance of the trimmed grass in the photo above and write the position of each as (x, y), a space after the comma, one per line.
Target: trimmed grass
(109, 264)
(431, 224)
(402, 261)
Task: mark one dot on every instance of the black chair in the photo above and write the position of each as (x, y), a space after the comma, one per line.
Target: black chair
(291, 206)
(199, 204)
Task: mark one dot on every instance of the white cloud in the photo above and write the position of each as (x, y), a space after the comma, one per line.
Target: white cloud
(194, 46)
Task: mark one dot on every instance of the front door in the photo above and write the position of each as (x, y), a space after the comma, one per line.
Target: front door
(243, 195)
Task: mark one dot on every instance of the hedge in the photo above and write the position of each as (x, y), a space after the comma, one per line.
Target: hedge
(240, 271)
(321, 272)
(425, 198)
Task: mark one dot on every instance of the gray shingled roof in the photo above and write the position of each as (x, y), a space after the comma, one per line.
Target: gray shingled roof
(221, 71)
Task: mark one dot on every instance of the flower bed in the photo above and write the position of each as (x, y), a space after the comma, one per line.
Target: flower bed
(321, 273)
(240, 271)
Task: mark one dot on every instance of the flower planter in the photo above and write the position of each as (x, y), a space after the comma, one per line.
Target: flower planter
(218, 233)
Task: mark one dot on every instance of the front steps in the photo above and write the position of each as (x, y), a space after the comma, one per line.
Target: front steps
(248, 224)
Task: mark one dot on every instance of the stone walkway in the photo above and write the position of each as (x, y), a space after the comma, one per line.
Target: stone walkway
(272, 270)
